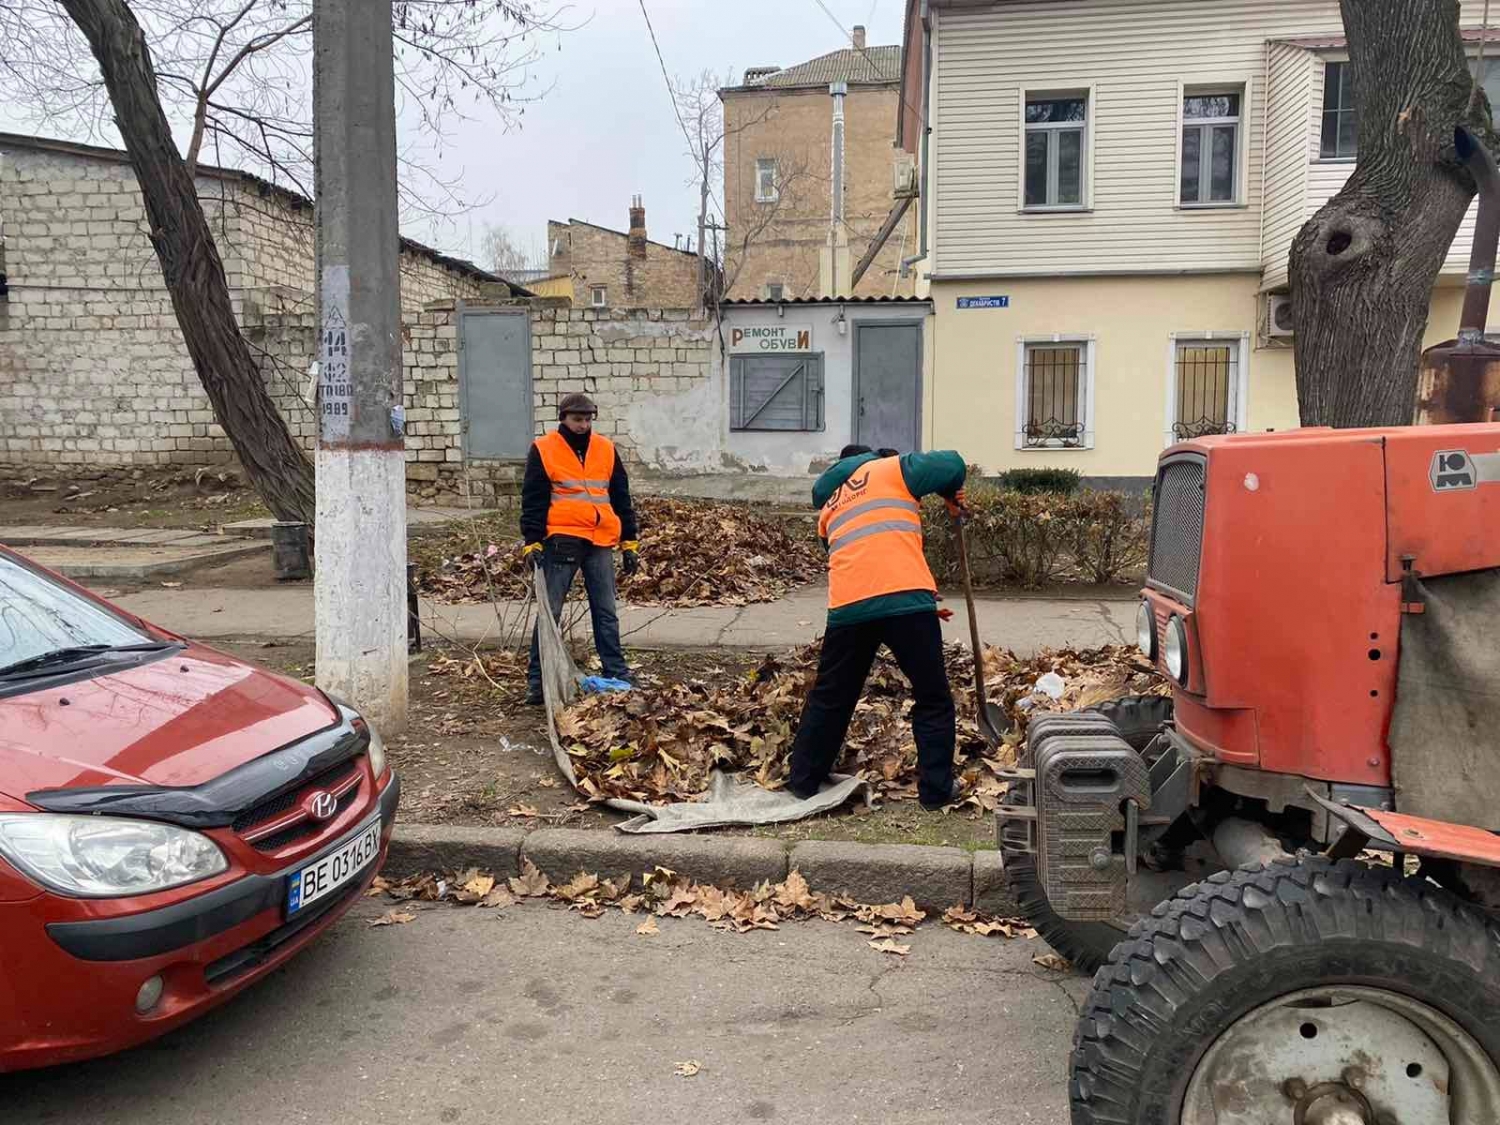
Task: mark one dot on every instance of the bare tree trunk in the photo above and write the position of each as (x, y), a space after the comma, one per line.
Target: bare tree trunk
(274, 463)
(1362, 269)
(703, 285)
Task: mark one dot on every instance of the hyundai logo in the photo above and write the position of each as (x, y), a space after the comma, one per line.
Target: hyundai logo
(320, 804)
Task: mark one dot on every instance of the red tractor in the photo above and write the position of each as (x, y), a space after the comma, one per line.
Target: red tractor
(1325, 604)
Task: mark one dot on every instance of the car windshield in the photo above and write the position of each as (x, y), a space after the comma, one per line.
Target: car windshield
(38, 617)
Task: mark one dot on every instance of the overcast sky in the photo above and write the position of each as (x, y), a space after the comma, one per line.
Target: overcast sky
(605, 129)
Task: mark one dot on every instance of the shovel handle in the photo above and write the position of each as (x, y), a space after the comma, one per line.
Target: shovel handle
(963, 567)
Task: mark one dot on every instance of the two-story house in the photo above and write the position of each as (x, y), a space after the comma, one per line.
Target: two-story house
(1108, 193)
(811, 176)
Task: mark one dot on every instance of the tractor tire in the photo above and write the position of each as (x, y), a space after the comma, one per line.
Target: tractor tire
(1139, 719)
(1086, 944)
(1227, 986)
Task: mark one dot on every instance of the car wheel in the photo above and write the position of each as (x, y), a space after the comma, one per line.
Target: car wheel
(1306, 991)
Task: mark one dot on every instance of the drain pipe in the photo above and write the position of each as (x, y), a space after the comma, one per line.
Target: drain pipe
(921, 255)
(1481, 166)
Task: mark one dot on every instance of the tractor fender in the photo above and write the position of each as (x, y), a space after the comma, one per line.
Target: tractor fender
(1388, 831)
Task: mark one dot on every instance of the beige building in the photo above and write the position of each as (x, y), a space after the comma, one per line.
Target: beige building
(1105, 217)
(812, 180)
(613, 270)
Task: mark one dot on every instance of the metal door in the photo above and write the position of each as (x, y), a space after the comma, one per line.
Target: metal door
(888, 384)
(494, 371)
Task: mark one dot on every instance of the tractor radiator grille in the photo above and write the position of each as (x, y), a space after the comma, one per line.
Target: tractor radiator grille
(1177, 527)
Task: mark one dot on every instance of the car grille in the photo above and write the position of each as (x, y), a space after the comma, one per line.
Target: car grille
(241, 961)
(1177, 527)
(285, 806)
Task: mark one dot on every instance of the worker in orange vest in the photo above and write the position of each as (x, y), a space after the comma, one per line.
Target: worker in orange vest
(575, 510)
(880, 592)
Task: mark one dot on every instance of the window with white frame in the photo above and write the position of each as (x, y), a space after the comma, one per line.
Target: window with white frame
(1056, 151)
(1210, 148)
(767, 190)
(1206, 386)
(1340, 122)
(599, 296)
(1054, 393)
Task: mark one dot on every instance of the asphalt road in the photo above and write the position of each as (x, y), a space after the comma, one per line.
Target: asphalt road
(532, 1014)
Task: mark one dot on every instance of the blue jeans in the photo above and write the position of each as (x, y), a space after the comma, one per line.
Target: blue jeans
(598, 566)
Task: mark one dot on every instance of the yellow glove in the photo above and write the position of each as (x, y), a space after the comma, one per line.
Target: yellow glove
(532, 551)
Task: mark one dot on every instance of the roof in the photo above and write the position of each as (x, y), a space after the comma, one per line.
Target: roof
(623, 234)
(748, 302)
(872, 66)
(295, 198)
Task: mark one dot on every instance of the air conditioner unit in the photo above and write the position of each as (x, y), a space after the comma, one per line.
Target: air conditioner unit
(906, 175)
(1279, 315)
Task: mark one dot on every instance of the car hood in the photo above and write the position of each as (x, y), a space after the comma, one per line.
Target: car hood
(175, 721)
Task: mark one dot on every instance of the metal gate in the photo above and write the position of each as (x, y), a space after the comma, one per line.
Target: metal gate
(494, 378)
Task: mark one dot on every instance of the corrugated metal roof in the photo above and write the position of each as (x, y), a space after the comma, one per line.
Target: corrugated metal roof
(742, 302)
(872, 66)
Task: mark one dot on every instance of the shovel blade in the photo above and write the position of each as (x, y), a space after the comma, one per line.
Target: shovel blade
(994, 723)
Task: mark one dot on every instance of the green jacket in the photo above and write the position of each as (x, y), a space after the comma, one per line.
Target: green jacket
(940, 473)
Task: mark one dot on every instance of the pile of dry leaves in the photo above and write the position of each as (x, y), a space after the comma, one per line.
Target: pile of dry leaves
(666, 894)
(693, 553)
(659, 744)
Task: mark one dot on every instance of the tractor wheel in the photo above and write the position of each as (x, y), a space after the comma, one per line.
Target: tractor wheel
(1139, 718)
(1306, 991)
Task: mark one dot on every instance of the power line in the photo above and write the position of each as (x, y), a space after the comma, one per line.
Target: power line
(671, 91)
(849, 38)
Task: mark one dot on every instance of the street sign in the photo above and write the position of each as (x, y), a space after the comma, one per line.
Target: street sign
(1001, 302)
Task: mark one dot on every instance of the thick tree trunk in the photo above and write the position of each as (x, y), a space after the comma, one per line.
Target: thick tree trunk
(274, 463)
(1362, 269)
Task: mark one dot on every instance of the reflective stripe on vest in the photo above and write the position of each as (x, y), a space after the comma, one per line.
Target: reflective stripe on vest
(873, 527)
(580, 505)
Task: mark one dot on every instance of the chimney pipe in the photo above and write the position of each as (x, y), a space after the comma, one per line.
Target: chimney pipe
(637, 238)
(859, 37)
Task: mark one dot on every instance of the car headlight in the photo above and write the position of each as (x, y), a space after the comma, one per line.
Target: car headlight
(376, 751)
(106, 857)
(1145, 631)
(1174, 650)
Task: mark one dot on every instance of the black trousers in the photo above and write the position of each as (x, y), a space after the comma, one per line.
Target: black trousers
(916, 641)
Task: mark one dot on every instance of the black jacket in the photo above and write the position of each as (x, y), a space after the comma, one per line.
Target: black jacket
(536, 491)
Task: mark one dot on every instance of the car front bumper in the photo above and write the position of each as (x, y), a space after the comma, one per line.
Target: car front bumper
(68, 987)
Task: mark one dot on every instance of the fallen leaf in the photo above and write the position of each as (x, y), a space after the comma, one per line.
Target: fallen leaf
(688, 1069)
(172, 585)
(500, 896)
(393, 918)
(548, 783)
(648, 928)
(580, 886)
(523, 811)
(795, 893)
(1052, 961)
(888, 945)
(532, 882)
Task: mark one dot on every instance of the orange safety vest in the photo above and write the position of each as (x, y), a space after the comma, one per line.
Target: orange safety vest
(580, 491)
(873, 528)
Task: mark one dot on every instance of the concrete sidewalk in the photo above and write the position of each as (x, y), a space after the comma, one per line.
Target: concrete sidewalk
(1022, 624)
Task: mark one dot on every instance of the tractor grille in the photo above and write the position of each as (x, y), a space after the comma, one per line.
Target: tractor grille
(1177, 527)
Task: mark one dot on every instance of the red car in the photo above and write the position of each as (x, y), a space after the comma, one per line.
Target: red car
(174, 823)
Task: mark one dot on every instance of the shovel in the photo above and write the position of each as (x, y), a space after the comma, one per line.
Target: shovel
(994, 723)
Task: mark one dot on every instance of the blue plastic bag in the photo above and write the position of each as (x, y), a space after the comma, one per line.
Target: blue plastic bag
(597, 685)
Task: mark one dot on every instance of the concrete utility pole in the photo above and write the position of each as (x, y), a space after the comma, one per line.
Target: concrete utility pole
(360, 579)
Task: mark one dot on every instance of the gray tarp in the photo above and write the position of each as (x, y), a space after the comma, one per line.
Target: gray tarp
(1445, 731)
(729, 800)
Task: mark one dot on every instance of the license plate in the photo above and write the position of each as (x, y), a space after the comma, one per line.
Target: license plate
(327, 874)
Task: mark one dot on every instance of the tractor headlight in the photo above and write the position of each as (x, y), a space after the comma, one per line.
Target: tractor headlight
(1174, 650)
(1145, 631)
(106, 857)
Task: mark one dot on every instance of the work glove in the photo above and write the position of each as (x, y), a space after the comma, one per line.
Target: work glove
(630, 558)
(533, 553)
(957, 505)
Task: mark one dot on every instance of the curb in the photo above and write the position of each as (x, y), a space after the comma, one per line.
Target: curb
(935, 878)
